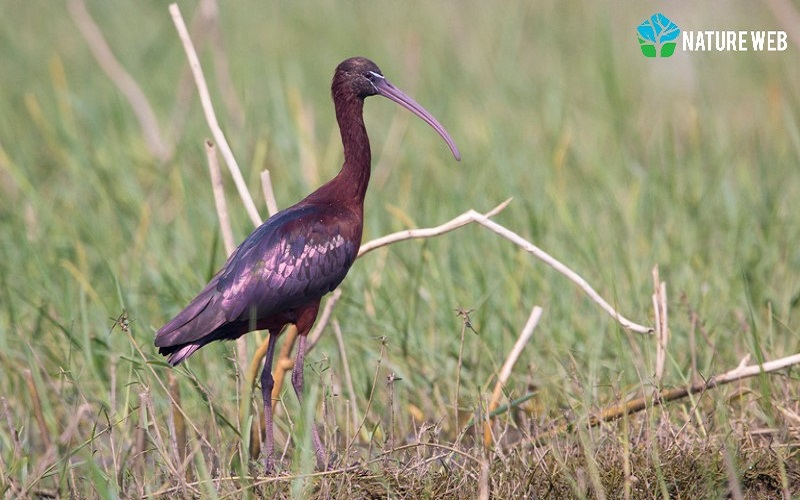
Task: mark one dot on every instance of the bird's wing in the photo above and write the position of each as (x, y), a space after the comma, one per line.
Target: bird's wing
(301, 255)
(297, 255)
(201, 317)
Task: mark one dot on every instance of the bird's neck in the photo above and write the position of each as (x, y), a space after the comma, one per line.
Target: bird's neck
(352, 180)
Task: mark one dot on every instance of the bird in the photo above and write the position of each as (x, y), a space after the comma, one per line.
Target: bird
(280, 272)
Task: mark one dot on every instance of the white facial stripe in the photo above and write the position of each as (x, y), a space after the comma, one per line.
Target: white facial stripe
(376, 75)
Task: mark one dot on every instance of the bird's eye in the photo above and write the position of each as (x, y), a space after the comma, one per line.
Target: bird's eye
(372, 76)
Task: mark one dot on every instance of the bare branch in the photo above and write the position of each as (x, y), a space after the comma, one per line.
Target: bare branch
(561, 268)
(663, 396)
(227, 232)
(269, 194)
(219, 198)
(121, 78)
(662, 325)
(211, 118)
(505, 371)
(410, 234)
(483, 219)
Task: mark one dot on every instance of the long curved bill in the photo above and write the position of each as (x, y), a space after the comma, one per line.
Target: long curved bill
(389, 91)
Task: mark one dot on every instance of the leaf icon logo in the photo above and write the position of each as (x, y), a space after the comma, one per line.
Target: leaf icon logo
(657, 35)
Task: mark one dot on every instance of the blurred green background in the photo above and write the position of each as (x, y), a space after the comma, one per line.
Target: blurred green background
(615, 162)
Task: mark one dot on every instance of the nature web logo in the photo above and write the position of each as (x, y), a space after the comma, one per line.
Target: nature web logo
(657, 36)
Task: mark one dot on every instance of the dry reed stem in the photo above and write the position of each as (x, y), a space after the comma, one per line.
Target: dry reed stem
(198, 28)
(505, 372)
(471, 216)
(483, 488)
(211, 118)
(219, 198)
(410, 234)
(269, 194)
(140, 439)
(662, 326)
(227, 153)
(225, 149)
(693, 319)
(226, 230)
(121, 78)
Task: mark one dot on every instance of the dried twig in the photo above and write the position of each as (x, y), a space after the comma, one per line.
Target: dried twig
(219, 138)
(561, 268)
(505, 371)
(662, 325)
(483, 219)
(269, 194)
(121, 78)
(211, 118)
(484, 491)
(410, 234)
(227, 232)
(219, 198)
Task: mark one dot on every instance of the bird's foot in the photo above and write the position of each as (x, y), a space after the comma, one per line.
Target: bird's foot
(269, 465)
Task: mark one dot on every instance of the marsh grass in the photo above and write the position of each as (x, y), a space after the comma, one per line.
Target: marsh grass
(615, 163)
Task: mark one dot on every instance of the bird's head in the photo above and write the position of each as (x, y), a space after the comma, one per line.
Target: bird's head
(359, 78)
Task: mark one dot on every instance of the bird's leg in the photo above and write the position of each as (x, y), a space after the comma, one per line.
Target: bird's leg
(267, 383)
(297, 383)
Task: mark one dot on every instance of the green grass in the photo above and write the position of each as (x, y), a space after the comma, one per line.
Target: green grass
(616, 163)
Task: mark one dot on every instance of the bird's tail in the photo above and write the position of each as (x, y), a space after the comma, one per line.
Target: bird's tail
(180, 353)
(192, 328)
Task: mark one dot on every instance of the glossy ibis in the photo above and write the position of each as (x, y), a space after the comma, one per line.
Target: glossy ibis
(278, 275)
